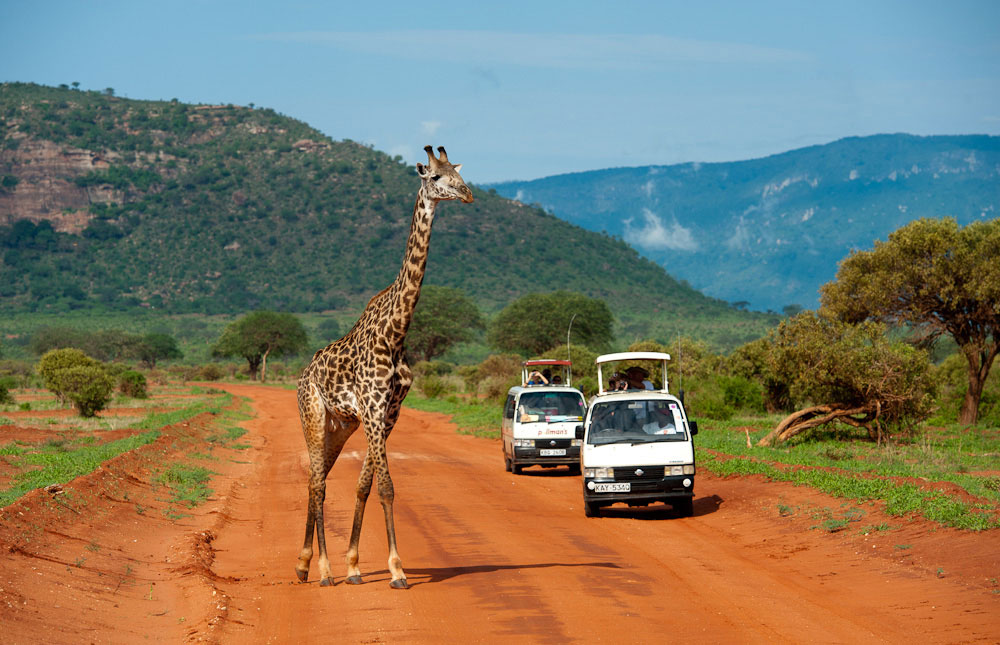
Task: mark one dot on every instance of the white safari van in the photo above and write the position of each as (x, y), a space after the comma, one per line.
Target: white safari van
(540, 418)
(637, 442)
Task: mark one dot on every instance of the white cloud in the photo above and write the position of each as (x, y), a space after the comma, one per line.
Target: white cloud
(740, 238)
(547, 50)
(653, 234)
(430, 128)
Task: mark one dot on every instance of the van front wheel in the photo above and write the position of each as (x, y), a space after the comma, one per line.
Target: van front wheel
(684, 507)
(591, 510)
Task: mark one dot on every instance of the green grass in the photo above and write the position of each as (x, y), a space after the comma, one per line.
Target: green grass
(900, 498)
(187, 483)
(58, 465)
(60, 460)
(481, 419)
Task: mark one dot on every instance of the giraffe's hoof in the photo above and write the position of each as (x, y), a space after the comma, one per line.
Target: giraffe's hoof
(326, 582)
(301, 575)
(399, 584)
(354, 580)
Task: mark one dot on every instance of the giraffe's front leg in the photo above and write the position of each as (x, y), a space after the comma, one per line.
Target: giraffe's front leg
(386, 494)
(363, 490)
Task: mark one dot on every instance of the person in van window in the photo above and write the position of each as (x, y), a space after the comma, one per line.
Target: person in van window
(638, 378)
(537, 378)
(556, 380)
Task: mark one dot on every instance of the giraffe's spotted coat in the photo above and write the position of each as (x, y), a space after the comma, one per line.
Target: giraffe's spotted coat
(363, 378)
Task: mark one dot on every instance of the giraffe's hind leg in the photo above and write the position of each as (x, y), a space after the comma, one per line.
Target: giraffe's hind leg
(325, 435)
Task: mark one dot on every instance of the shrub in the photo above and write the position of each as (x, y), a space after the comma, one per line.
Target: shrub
(211, 372)
(133, 384)
(88, 386)
(741, 393)
(5, 396)
(56, 360)
(432, 368)
(432, 386)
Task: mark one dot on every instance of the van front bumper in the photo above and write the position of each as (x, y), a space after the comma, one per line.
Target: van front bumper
(541, 455)
(642, 490)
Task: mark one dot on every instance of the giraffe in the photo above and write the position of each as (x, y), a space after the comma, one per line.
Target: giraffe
(363, 378)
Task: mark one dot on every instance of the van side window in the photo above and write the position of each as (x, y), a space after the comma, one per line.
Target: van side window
(508, 410)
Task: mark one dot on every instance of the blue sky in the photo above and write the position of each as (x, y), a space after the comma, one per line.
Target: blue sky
(520, 90)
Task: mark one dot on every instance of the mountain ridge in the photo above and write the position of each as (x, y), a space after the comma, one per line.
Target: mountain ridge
(120, 203)
(769, 231)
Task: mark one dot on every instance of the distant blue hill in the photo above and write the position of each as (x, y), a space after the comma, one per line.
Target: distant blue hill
(768, 232)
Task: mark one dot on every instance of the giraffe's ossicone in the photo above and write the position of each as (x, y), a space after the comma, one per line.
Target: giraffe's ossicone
(363, 378)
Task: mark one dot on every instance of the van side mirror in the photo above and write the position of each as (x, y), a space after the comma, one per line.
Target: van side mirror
(579, 432)
(694, 427)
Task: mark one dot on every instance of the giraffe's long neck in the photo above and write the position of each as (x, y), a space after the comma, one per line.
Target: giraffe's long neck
(405, 291)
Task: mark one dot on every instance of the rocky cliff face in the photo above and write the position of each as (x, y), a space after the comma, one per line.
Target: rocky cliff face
(46, 188)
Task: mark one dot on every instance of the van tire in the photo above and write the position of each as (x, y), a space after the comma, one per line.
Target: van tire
(574, 469)
(515, 468)
(591, 510)
(506, 463)
(684, 507)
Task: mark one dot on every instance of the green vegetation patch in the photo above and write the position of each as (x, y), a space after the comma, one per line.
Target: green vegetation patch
(188, 483)
(54, 463)
(481, 419)
(900, 498)
(58, 461)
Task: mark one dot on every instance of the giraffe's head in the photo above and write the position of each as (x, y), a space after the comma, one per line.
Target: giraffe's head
(441, 180)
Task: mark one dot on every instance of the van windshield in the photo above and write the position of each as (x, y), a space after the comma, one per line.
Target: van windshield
(550, 406)
(635, 422)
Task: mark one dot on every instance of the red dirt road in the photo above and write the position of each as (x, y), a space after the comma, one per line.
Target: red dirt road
(490, 556)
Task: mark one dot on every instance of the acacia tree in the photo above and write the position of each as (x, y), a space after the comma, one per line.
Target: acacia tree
(443, 318)
(153, 347)
(937, 279)
(848, 373)
(537, 322)
(258, 335)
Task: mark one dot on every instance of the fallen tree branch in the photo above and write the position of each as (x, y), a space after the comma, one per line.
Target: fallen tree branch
(818, 415)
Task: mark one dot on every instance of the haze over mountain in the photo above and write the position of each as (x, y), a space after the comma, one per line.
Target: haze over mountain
(111, 203)
(768, 232)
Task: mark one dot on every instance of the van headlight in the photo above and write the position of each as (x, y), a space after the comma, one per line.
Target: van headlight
(524, 443)
(599, 473)
(686, 469)
(576, 442)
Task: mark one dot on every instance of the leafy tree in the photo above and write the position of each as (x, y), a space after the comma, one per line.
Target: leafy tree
(750, 361)
(937, 279)
(850, 374)
(89, 387)
(133, 384)
(56, 360)
(153, 347)
(537, 322)
(444, 317)
(261, 334)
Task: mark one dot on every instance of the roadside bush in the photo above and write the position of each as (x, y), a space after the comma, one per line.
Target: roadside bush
(88, 386)
(5, 396)
(133, 384)
(211, 372)
(710, 404)
(432, 368)
(56, 360)
(22, 373)
(432, 386)
(495, 375)
(741, 393)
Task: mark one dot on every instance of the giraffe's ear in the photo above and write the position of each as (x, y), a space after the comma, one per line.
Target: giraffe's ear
(457, 167)
(422, 170)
